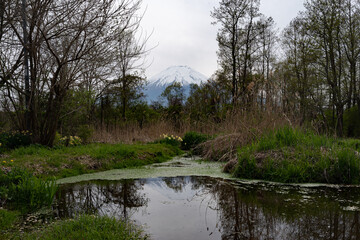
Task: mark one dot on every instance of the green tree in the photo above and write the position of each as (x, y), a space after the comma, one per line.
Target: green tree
(174, 94)
(300, 56)
(236, 39)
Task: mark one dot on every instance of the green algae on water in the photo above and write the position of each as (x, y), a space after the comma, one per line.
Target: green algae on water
(178, 166)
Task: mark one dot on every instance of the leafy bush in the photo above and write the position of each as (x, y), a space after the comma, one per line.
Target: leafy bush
(85, 132)
(192, 139)
(70, 141)
(21, 190)
(171, 140)
(352, 122)
(57, 141)
(12, 140)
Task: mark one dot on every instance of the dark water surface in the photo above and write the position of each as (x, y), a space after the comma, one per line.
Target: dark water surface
(208, 208)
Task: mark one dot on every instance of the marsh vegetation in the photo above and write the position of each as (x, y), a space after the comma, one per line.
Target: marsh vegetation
(72, 103)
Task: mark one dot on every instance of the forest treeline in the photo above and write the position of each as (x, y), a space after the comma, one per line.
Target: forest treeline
(82, 61)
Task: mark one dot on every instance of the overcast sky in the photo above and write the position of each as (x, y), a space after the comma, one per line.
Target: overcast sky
(183, 34)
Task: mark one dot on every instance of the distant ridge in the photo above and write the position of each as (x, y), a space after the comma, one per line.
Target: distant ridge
(181, 74)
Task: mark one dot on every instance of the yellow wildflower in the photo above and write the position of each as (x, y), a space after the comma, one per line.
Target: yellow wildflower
(12, 160)
(4, 161)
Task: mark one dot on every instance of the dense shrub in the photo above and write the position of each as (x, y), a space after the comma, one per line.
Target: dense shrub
(352, 122)
(70, 141)
(12, 140)
(170, 140)
(85, 132)
(193, 139)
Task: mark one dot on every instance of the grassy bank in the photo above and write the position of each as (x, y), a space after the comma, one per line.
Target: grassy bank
(71, 161)
(294, 156)
(27, 186)
(81, 227)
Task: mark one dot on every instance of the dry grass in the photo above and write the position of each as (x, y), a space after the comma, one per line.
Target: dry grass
(239, 130)
(132, 133)
(224, 147)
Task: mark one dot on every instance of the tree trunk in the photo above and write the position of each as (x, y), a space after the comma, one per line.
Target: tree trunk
(339, 120)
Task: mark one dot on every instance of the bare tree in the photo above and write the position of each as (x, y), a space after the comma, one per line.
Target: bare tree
(324, 22)
(237, 42)
(267, 40)
(129, 62)
(230, 15)
(300, 57)
(63, 38)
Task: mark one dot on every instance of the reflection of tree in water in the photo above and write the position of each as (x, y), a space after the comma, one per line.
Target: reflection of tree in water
(125, 196)
(104, 198)
(244, 211)
(177, 184)
(258, 213)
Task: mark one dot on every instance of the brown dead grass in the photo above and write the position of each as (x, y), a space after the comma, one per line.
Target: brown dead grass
(239, 130)
(89, 162)
(224, 147)
(132, 133)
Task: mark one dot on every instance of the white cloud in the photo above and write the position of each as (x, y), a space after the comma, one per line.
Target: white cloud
(184, 35)
(283, 11)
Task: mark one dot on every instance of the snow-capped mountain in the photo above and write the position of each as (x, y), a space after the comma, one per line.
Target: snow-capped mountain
(181, 74)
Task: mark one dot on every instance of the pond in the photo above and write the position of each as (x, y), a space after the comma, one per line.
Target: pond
(213, 208)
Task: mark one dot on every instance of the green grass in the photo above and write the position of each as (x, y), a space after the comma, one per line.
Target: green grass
(21, 190)
(72, 161)
(86, 227)
(294, 156)
(8, 219)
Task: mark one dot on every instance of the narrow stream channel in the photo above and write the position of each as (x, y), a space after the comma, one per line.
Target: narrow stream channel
(212, 208)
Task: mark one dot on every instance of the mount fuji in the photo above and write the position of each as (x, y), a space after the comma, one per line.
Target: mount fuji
(181, 74)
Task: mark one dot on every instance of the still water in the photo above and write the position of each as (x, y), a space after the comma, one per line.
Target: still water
(209, 208)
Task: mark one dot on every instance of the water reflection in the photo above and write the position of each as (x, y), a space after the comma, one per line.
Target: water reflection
(208, 208)
(117, 199)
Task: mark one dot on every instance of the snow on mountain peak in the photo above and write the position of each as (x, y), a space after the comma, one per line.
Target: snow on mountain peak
(181, 74)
